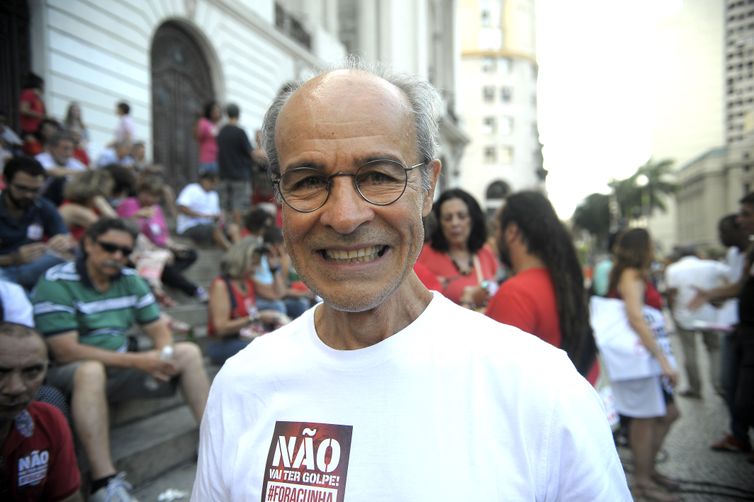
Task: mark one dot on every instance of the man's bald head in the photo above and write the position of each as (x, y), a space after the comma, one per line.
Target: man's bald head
(421, 100)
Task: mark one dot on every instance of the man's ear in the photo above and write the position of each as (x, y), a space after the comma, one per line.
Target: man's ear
(511, 232)
(88, 244)
(434, 170)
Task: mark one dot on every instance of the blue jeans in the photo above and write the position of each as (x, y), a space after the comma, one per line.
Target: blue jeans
(28, 274)
(292, 307)
(265, 304)
(220, 350)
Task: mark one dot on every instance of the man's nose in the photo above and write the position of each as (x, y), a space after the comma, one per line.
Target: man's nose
(13, 384)
(345, 209)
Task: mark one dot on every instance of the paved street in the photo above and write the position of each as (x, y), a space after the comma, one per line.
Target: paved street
(705, 475)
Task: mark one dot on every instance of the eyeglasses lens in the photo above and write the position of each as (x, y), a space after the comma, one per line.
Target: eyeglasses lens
(380, 182)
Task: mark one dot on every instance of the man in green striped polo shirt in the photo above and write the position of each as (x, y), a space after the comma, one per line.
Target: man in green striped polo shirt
(85, 310)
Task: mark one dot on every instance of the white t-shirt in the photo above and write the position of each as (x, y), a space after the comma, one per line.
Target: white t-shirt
(686, 276)
(194, 197)
(16, 306)
(735, 260)
(454, 407)
(48, 162)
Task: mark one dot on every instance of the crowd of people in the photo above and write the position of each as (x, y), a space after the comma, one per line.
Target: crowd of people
(442, 299)
(91, 252)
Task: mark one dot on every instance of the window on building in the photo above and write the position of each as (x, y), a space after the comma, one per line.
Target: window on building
(504, 64)
(506, 126)
(506, 155)
(489, 125)
(486, 17)
(497, 190)
(488, 65)
(488, 93)
(490, 154)
(506, 94)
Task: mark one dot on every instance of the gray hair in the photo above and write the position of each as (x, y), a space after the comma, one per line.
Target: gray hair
(239, 257)
(424, 101)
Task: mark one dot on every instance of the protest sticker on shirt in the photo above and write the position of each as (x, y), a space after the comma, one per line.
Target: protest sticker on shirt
(307, 461)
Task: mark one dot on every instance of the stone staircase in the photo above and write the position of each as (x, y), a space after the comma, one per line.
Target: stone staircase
(151, 438)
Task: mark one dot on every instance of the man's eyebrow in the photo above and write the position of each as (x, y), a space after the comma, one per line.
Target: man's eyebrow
(358, 161)
(29, 367)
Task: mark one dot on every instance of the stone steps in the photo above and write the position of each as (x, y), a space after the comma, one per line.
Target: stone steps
(149, 447)
(177, 479)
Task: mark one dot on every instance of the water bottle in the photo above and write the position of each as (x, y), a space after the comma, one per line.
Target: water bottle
(166, 354)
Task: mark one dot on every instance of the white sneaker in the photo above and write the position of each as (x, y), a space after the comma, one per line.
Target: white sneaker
(117, 490)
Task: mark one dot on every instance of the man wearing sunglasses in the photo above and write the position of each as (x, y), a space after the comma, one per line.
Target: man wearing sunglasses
(85, 309)
(385, 390)
(33, 236)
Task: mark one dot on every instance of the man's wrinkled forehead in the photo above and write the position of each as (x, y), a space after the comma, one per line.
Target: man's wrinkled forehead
(335, 101)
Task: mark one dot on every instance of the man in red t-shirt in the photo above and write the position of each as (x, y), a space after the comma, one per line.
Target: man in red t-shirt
(37, 460)
(545, 296)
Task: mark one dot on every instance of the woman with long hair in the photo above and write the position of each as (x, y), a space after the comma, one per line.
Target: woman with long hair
(648, 402)
(457, 254)
(205, 133)
(74, 122)
(546, 295)
(233, 319)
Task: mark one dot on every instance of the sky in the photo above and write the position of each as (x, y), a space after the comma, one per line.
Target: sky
(595, 102)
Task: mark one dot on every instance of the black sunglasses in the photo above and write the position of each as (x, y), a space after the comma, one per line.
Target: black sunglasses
(111, 248)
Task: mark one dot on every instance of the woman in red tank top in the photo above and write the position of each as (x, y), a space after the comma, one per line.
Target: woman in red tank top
(233, 319)
(650, 423)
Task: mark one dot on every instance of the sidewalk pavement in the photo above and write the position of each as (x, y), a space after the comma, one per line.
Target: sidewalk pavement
(705, 475)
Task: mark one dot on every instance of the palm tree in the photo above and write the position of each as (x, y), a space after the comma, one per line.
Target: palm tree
(646, 190)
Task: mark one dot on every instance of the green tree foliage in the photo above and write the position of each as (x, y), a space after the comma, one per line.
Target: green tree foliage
(635, 200)
(593, 216)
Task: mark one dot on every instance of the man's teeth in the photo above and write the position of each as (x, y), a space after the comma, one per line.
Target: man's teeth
(354, 255)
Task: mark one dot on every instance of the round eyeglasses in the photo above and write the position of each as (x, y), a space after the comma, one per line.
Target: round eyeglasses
(380, 182)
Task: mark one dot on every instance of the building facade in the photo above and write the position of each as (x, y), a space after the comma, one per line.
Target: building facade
(498, 99)
(710, 186)
(168, 58)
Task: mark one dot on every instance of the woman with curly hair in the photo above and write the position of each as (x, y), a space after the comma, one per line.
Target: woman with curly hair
(457, 253)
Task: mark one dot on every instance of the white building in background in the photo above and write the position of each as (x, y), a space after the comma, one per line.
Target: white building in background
(721, 34)
(498, 100)
(687, 74)
(414, 36)
(167, 58)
